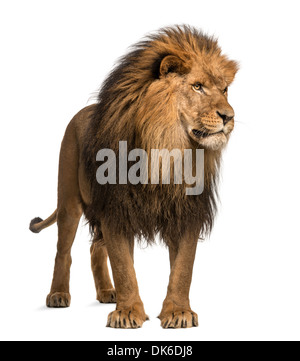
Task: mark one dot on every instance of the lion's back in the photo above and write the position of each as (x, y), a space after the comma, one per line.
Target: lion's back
(82, 121)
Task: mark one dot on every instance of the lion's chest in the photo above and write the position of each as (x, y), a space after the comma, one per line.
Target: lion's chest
(138, 211)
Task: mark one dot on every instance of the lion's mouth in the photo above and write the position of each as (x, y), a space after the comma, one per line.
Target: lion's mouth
(203, 134)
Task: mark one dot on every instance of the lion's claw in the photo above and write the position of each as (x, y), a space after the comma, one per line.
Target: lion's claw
(58, 300)
(126, 319)
(107, 296)
(179, 319)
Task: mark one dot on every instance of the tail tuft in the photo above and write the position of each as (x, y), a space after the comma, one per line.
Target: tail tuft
(32, 226)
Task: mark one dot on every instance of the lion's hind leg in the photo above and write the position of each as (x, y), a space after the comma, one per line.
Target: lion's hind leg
(69, 211)
(104, 288)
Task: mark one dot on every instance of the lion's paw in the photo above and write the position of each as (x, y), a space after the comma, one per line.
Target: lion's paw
(179, 319)
(128, 318)
(58, 300)
(107, 296)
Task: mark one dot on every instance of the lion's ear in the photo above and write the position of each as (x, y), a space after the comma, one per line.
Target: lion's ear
(230, 69)
(172, 64)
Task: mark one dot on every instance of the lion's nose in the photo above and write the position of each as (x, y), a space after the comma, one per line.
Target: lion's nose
(226, 116)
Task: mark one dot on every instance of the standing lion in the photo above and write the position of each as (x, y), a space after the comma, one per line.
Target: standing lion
(169, 92)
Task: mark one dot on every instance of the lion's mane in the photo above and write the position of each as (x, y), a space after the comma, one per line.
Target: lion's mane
(133, 106)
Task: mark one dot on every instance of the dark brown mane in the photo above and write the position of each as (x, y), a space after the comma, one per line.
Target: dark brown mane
(122, 110)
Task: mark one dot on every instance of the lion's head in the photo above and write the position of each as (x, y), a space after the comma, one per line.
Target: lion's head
(203, 106)
(184, 104)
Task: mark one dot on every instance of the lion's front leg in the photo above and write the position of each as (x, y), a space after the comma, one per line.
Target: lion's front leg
(129, 312)
(176, 311)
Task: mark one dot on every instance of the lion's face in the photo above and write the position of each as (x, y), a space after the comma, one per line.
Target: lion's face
(202, 104)
(204, 110)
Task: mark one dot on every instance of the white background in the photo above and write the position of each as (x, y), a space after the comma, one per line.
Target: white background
(54, 56)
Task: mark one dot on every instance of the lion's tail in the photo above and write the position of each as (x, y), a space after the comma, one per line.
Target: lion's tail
(37, 224)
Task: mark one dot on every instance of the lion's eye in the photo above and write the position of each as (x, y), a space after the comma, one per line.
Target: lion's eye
(225, 90)
(198, 87)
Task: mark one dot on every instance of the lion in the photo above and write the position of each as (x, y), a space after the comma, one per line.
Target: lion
(170, 91)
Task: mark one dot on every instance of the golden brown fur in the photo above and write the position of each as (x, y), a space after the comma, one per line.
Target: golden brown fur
(153, 100)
